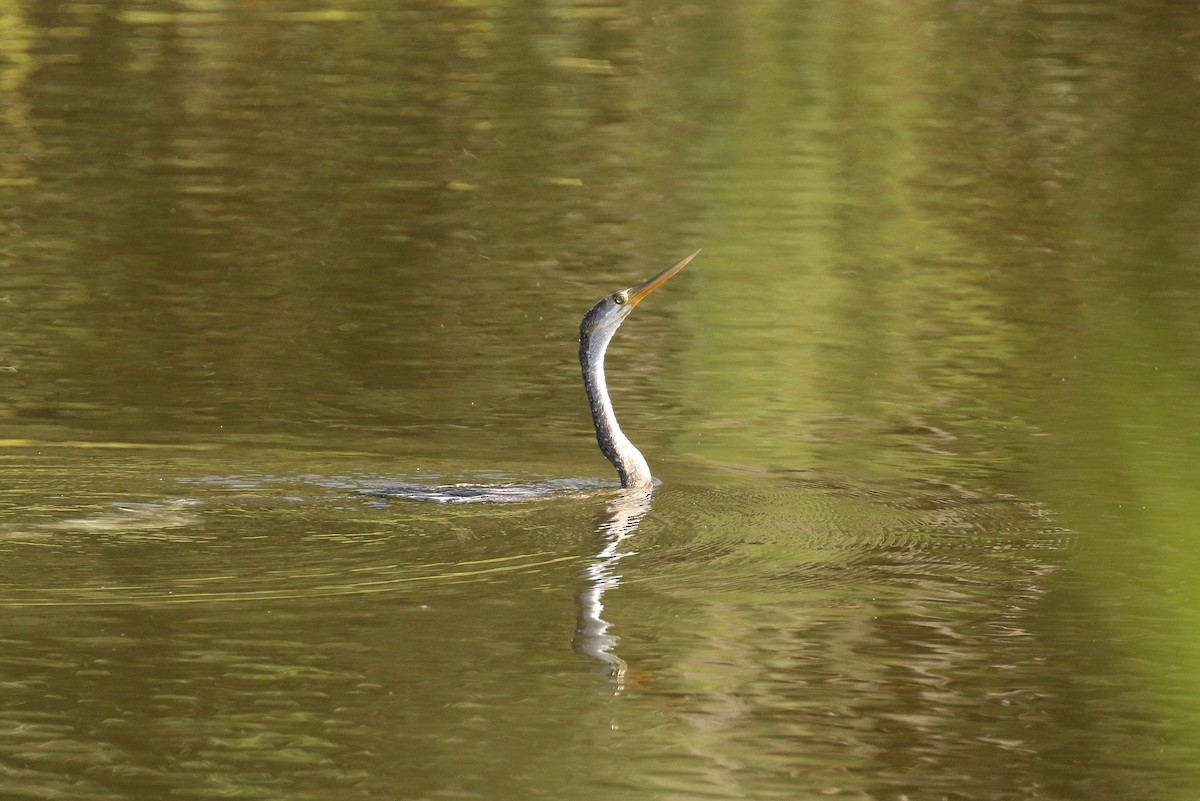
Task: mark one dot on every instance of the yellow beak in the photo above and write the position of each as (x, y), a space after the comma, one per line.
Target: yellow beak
(638, 291)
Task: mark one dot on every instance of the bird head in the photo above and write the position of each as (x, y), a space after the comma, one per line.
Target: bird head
(609, 312)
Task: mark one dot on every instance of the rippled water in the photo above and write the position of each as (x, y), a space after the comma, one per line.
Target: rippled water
(923, 411)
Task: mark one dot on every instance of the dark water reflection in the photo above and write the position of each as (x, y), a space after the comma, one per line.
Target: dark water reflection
(924, 409)
(276, 637)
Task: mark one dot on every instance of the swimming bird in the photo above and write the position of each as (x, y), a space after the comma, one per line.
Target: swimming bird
(595, 332)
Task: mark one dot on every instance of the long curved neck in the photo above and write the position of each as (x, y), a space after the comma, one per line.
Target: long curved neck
(615, 446)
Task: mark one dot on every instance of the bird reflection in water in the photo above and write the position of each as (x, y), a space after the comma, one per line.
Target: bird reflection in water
(625, 511)
(593, 635)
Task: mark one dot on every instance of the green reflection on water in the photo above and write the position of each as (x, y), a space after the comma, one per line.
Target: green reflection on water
(925, 407)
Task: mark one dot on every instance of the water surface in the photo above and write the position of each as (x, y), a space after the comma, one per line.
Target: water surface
(923, 410)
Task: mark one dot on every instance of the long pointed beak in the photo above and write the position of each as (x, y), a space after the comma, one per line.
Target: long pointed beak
(637, 292)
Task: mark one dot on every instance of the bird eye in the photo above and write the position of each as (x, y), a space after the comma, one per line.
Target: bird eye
(621, 298)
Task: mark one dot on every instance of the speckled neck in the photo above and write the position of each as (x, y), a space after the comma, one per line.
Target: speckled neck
(615, 446)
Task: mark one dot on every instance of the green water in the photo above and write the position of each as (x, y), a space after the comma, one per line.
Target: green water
(924, 410)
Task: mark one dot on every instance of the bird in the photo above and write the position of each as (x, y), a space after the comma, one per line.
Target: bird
(595, 333)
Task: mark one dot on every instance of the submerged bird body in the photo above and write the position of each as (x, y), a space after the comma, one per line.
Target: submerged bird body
(595, 332)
